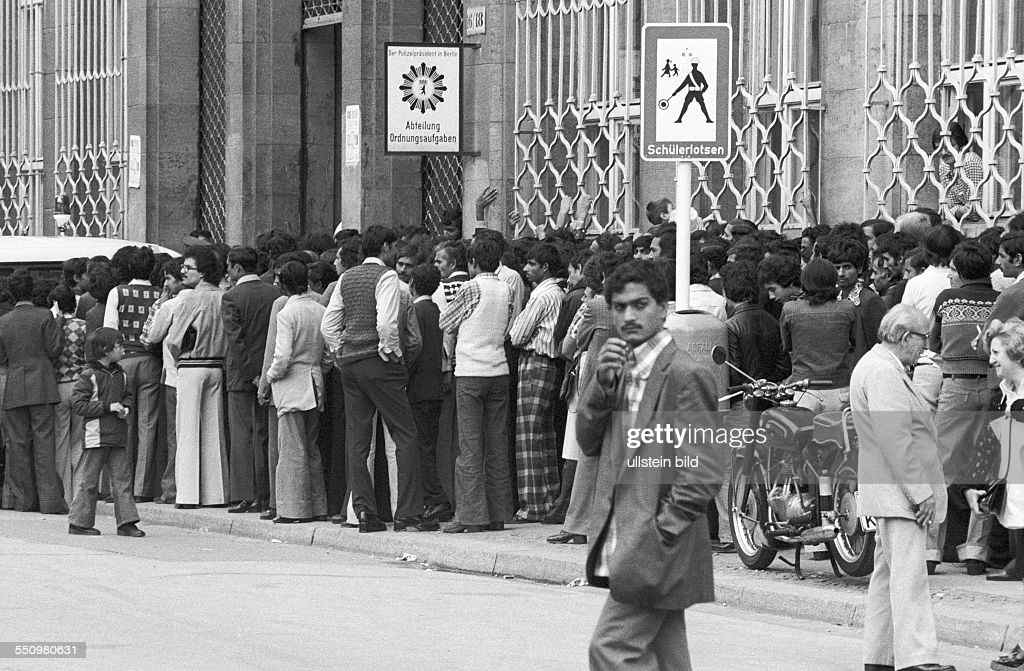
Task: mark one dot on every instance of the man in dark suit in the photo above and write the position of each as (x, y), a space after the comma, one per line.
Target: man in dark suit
(30, 341)
(246, 312)
(652, 548)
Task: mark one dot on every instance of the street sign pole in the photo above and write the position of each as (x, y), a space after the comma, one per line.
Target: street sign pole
(684, 193)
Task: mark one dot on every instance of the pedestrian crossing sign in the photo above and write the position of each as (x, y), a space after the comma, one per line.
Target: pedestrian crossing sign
(684, 91)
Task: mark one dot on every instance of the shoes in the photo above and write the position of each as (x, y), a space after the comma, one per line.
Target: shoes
(440, 512)
(456, 528)
(521, 517)
(76, 530)
(1013, 660)
(930, 667)
(370, 522)
(723, 547)
(143, 499)
(292, 520)
(415, 524)
(162, 501)
(496, 526)
(342, 519)
(932, 565)
(566, 538)
(1003, 577)
(557, 513)
(130, 530)
(975, 567)
(268, 514)
(879, 667)
(244, 506)
(186, 506)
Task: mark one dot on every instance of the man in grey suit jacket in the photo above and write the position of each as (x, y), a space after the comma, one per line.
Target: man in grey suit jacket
(652, 550)
(30, 341)
(902, 487)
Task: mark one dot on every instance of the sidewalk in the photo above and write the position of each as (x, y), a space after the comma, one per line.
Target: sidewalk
(968, 610)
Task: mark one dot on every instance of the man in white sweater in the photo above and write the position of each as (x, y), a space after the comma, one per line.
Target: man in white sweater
(480, 313)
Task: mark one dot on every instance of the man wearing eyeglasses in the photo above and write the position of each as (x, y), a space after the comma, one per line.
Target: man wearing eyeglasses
(901, 485)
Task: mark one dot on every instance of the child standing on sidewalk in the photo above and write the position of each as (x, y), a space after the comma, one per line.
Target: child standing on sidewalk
(102, 398)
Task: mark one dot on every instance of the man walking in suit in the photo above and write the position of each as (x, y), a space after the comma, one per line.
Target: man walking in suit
(902, 487)
(246, 311)
(30, 342)
(652, 550)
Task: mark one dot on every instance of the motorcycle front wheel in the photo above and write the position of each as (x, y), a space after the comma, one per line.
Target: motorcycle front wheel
(748, 510)
(854, 547)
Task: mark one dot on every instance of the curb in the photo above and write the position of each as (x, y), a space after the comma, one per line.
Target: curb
(958, 620)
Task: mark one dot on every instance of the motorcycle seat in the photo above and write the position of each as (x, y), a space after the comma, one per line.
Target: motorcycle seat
(829, 427)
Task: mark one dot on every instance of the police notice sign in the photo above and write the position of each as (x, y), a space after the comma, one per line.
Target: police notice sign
(423, 85)
(684, 111)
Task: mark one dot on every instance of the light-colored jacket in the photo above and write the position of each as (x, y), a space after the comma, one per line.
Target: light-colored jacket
(898, 459)
(296, 370)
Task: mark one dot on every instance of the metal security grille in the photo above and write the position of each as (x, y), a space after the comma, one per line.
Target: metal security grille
(320, 12)
(937, 64)
(577, 101)
(211, 213)
(442, 175)
(21, 116)
(89, 130)
(577, 125)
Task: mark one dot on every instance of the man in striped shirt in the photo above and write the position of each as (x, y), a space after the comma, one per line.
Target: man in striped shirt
(533, 331)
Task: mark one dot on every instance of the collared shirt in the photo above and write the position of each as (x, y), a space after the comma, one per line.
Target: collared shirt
(968, 176)
(515, 282)
(534, 328)
(420, 299)
(465, 302)
(704, 298)
(159, 325)
(387, 295)
(251, 277)
(110, 319)
(923, 289)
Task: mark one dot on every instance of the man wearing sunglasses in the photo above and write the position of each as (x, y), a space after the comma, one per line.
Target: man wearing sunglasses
(902, 487)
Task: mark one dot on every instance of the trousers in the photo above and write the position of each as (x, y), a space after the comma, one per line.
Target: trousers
(482, 492)
(168, 491)
(69, 436)
(31, 470)
(633, 638)
(899, 625)
(248, 456)
(143, 373)
(200, 468)
(119, 463)
(300, 473)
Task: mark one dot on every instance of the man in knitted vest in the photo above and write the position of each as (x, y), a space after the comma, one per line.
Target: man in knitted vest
(127, 309)
(361, 328)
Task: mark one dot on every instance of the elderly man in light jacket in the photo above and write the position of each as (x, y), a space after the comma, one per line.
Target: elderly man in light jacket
(297, 385)
(902, 486)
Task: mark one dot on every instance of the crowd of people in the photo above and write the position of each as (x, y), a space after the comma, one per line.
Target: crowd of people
(419, 379)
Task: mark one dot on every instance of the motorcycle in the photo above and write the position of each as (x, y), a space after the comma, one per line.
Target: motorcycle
(794, 483)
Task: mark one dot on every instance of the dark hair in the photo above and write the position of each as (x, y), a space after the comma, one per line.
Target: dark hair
(425, 278)
(739, 282)
(643, 242)
(818, 281)
(21, 285)
(245, 257)
(714, 255)
(140, 263)
(972, 260)
(200, 233)
(64, 297)
(1016, 222)
(486, 253)
(957, 135)
(656, 208)
(741, 228)
(815, 232)
(747, 249)
(348, 252)
(1013, 244)
(640, 272)
(843, 249)
(156, 276)
(294, 277)
(888, 243)
(878, 226)
(939, 242)
(781, 269)
(322, 273)
(546, 254)
(597, 268)
(917, 258)
(73, 268)
(103, 281)
(375, 238)
(698, 269)
(989, 241)
(316, 242)
(456, 253)
(275, 243)
(667, 242)
(208, 263)
(279, 261)
(172, 267)
(606, 242)
(100, 342)
(490, 234)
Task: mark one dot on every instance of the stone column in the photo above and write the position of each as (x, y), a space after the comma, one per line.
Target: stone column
(380, 189)
(162, 82)
(263, 75)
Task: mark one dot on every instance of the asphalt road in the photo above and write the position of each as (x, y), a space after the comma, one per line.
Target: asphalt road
(186, 600)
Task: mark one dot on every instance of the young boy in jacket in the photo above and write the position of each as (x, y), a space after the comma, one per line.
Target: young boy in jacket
(101, 396)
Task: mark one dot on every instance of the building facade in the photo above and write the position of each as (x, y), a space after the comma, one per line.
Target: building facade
(145, 119)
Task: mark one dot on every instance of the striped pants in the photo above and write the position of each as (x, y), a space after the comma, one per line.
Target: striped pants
(536, 442)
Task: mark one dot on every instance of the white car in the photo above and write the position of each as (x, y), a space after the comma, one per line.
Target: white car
(43, 256)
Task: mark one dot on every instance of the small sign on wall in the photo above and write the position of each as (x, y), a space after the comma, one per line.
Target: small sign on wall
(352, 135)
(423, 114)
(476, 20)
(134, 161)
